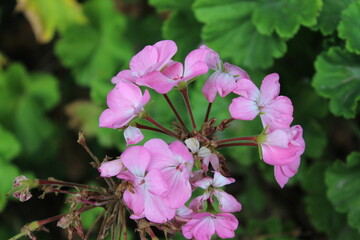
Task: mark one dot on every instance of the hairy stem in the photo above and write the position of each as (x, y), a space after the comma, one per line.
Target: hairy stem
(164, 129)
(174, 110)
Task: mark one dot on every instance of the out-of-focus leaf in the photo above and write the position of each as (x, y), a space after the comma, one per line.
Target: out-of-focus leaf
(9, 145)
(338, 78)
(184, 29)
(89, 217)
(26, 98)
(97, 51)
(8, 173)
(349, 26)
(343, 184)
(269, 229)
(269, 16)
(228, 30)
(322, 214)
(171, 4)
(315, 138)
(330, 15)
(46, 17)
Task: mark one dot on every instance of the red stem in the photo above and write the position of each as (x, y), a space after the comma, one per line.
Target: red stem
(208, 112)
(167, 131)
(138, 125)
(185, 95)
(252, 139)
(236, 144)
(174, 110)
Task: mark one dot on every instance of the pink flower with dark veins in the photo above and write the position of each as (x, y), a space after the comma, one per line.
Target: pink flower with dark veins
(151, 58)
(146, 198)
(203, 225)
(275, 111)
(125, 102)
(175, 163)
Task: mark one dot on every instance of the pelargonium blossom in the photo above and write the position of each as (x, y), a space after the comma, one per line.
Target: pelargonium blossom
(111, 168)
(175, 163)
(149, 188)
(174, 73)
(227, 203)
(283, 148)
(151, 58)
(133, 135)
(203, 225)
(125, 102)
(275, 111)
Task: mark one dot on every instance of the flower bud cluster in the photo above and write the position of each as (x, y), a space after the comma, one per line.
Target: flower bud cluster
(161, 177)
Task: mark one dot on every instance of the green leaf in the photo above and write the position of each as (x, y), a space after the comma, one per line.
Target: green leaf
(46, 17)
(343, 184)
(338, 78)
(27, 97)
(285, 16)
(228, 30)
(9, 145)
(349, 27)
(330, 15)
(320, 210)
(171, 4)
(8, 173)
(97, 51)
(315, 138)
(184, 29)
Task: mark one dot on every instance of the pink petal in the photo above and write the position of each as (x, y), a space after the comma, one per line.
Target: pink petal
(228, 203)
(278, 138)
(124, 95)
(270, 88)
(111, 168)
(246, 88)
(166, 50)
(277, 155)
(195, 63)
(195, 70)
(136, 159)
(155, 183)
(180, 150)
(157, 81)
(243, 109)
(197, 204)
(204, 183)
(144, 61)
(225, 83)
(145, 99)
(209, 89)
(125, 76)
(133, 135)
(278, 113)
(135, 201)
(225, 225)
(115, 119)
(235, 71)
(220, 180)
(156, 210)
(280, 177)
(200, 227)
(161, 156)
(212, 59)
(173, 70)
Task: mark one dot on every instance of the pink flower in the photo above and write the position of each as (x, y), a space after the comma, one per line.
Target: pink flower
(283, 148)
(203, 225)
(175, 163)
(111, 168)
(151, 58)
(125, 102)
(223, 81)
(146, 198)
(175, 72)
(132, 135)
(274, 110)
(227, 203)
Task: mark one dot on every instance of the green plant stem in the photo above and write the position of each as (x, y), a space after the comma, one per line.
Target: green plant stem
(251, 139)
(164, 129)
(184, 93)
(236, 144)
(174, 110)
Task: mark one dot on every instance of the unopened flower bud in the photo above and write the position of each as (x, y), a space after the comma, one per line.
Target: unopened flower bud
(192, 144)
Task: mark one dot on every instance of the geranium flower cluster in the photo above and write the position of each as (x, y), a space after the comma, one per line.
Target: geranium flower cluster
(159, 178)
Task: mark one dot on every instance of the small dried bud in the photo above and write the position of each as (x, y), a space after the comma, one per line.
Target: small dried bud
(22, 186)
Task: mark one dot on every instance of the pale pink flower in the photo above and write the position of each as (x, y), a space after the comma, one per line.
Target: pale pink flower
(125, 102)
(111, 168)
(151, 58)
(175, 163)
(275, 111)
(227, 203)
(133, 135)
(223, 81)
(203, 225)
(174, 73)
(207, 156)
(149, 190)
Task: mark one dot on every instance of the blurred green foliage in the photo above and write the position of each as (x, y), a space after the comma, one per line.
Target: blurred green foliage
(50, 91)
